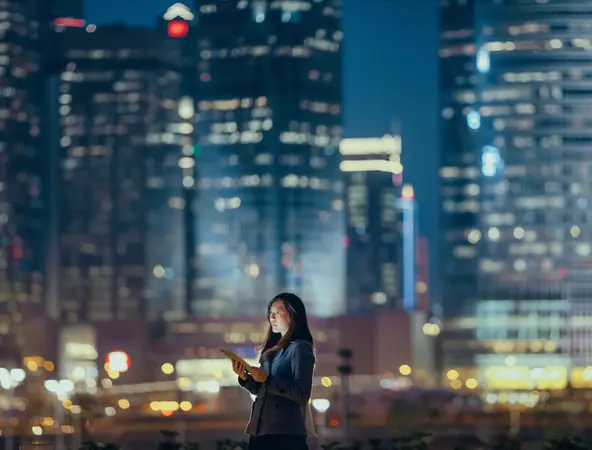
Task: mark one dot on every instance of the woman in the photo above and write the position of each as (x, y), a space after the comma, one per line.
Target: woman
(280, 415)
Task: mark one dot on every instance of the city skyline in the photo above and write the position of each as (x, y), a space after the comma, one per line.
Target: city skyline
(380, 87)
(162, 178)
(195, 175)
(514, 173)
(270, 195)
(120, 236)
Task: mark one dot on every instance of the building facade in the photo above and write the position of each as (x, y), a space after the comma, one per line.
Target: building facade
(515, 199)
(459, 162)
(270, 191)
(510, 348)
(373, 175)
(23, 162)
(123, 152)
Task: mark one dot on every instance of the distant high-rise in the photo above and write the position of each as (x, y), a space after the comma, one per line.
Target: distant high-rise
(124, 146)
(270, 188)
(22, 160)
(515, 167)
(373, 176)
(459, 157)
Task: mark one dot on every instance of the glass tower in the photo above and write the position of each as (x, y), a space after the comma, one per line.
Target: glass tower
(22, 160)
(270, 189)
(515, 165)
(373, 176)
(125, 155)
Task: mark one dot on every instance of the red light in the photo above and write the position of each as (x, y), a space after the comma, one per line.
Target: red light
(177, 28)
(334, 422)
(167, 413)
(69, 22)
(17, 248)
(201, 408)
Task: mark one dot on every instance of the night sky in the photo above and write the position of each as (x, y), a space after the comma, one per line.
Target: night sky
(390, 74)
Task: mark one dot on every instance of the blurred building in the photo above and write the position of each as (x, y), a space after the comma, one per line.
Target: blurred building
(23, 162)
(157, 368)
(270, 190)
(192, 347)
(124, 168)
(386, 343)
(514, 180)
(373, 176)
(534, 180)
(512, 348)
(459, 155)
(514, 175)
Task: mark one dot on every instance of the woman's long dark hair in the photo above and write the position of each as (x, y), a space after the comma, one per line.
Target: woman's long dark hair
(298, 326)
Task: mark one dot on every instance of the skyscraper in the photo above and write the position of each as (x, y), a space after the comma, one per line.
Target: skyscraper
(373, 175)
(459, 157)
(22, 160)
(124, 148)
(515, 175)
(270, 189)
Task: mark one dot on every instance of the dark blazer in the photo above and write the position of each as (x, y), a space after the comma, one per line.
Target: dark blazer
(278, 408)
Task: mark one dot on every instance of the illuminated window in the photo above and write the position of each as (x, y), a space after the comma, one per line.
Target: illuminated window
(259, 12)
(483, 60)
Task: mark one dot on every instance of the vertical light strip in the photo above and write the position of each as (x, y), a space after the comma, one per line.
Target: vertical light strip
(408, 254)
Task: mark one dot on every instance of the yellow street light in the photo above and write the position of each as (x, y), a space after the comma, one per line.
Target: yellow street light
(405, 370)
(167, 368)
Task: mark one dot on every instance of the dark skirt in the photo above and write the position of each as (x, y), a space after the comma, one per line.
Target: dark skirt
(277, 442)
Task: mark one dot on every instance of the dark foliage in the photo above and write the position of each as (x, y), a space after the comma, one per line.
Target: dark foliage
(95, 445)
(169, 441)
(568, 443)
(417, 441)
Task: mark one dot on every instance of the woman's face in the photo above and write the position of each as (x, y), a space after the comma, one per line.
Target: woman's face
(279, 318)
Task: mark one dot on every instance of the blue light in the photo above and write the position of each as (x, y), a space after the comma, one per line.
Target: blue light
(491, 161)
(474, 120)
(408, 254)
(259, 12)
(483, 61)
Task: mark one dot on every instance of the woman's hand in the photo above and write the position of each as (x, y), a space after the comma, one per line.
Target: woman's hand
(240, 370)
(259, 374)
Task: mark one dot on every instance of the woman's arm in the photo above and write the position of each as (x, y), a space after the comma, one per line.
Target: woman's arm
(250, 385)
(300, 389)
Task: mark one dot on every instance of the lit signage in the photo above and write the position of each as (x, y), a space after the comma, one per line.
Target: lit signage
(177, 28)
(118, 361)
(178, 10)
(69, 22)
(178, 17)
